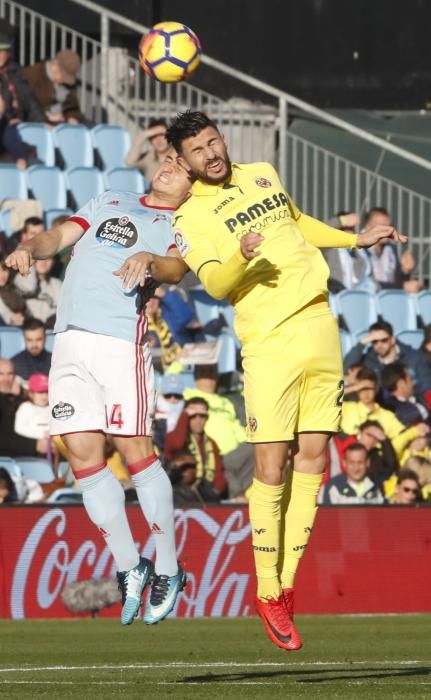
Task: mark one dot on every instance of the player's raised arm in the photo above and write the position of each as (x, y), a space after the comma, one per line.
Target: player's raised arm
(44, 245)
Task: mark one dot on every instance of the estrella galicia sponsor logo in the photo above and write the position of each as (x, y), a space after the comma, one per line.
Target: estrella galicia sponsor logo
(263, 182)
(259, 530)
(118, 233)
(257, 210)
(222, 204)
(264, 549)
(62, 411)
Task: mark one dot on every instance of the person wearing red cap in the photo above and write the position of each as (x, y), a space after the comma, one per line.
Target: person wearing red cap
(54, 85)
(32, 416)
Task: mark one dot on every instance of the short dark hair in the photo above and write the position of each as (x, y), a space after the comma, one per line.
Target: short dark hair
(32, 221)
(206, 372)
(356, 447)
(185, 125)
(367, 373)
(370, 424)
(375, 210)
(33, 324)
(391, 375)
(197, 399)
(157, 121)
(405, 473)
(382, 326)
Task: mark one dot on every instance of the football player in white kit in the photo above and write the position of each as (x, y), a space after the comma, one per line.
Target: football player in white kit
(101, 380)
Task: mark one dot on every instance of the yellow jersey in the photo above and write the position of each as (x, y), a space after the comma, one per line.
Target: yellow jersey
(290, 271)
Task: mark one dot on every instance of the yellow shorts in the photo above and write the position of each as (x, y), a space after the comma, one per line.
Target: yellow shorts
(293, 378)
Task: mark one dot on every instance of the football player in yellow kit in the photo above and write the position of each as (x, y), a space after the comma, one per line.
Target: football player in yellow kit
(245, 239)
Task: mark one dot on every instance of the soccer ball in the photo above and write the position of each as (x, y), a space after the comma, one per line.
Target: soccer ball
(170, 52)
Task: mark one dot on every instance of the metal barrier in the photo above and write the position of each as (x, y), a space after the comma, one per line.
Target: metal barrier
(115, 89)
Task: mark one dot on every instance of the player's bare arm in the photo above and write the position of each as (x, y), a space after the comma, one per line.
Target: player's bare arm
(44, 245)
(378, 233)
(136, 269)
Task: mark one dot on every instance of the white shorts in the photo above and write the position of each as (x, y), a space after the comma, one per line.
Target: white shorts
(98, 382)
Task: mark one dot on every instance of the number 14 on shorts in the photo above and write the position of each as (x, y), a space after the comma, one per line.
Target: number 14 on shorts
(116, 417)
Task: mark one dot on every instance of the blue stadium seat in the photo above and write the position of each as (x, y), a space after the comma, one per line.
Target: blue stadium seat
(40, 136)
(85, 183)
(36, 468)
(346, 341)
(112, 144)
(423, 306)
(65, 495)
(412, 338)
(75, 145)
(11, 341)
(49, 342)
(52, 214)
(126, 180)
(333, 305)
(358, 309)
(227, 357)
(13, 183)
(398, 308)
(48, 185)
(206, 308)
(11, 465)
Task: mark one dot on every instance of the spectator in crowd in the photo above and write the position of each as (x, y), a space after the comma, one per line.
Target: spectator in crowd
(354, 413)
(41, 290)
(8, 492)
(349, 268)
(32, 416)
(35, 359)
(185, 484)
(13, 308)
(422, 468)
(407, 491)
(353, 486)
(426, 345)
(380, 347)
(408, 407)
(382, 458)
(190, 435)
(54, 85)
(388, 270)
(12, 444)
(149, 148)
(22, 105)
(169, 406)
(168, 315)
(225, 429)
(12, 148)
(32, 226)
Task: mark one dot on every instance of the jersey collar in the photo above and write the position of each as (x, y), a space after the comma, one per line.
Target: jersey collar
(143, 201)
(203, 189)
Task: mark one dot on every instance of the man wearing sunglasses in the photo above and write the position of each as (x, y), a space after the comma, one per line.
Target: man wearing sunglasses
(407, 491)
(379, 347)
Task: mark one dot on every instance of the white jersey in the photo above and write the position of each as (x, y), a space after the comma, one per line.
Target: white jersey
(117, 225)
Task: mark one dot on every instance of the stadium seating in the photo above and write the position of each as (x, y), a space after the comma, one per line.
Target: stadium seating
(227, 357)
(49, 342)
(206, 308)
(398, 308)
(48, 185)
(112, 143)
(40, 136)
(13, 184)
(357, 308)
(413, 338)
(36, 468)
(12, 467)
(84, 183)
(126, 180)
(52, 214)
(346, 341)
(65, 495)
(423, 306)
(11, 341)
(74, 144)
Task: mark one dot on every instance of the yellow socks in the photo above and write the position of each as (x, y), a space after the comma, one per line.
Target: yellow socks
(265, 514)
(298, 523)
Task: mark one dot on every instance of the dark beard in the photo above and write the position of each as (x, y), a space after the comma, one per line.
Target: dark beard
(213, 181)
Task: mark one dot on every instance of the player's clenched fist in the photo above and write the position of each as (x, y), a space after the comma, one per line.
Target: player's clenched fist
(135, 269)
(21, 260)
(249, 243)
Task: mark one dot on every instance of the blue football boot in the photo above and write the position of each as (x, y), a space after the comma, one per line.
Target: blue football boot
(132, 584)
(163, 596)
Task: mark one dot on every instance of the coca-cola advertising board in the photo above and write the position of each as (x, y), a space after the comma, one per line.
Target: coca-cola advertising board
(352, 564)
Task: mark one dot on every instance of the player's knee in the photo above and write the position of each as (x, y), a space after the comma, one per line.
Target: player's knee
(270, 474)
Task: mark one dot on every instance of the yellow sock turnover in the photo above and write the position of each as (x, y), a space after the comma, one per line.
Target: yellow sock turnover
(265, 527)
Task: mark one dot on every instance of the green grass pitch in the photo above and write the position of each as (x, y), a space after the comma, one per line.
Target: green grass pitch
(343, 657)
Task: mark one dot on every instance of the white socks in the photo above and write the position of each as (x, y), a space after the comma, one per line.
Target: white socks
(154, 491)
(104, 501)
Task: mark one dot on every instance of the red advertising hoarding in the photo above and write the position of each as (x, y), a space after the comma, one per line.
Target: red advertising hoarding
(360, 560)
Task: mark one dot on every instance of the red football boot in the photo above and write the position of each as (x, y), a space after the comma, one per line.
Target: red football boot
(278, 625)
(296, 641)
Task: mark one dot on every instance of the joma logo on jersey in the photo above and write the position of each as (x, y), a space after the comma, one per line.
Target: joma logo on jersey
(256, 210)
(223, 204)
